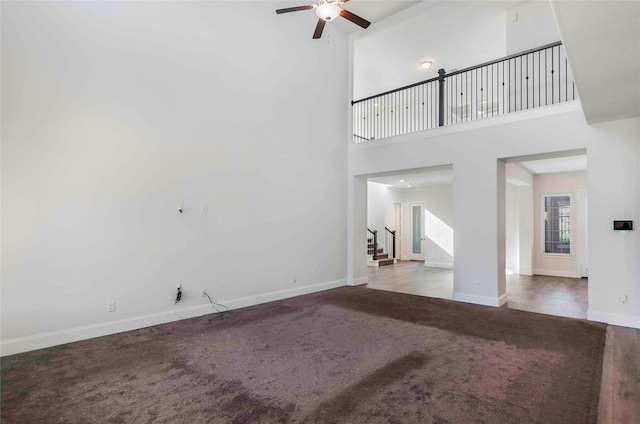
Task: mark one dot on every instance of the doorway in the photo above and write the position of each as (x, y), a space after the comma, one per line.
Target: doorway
(416, 243)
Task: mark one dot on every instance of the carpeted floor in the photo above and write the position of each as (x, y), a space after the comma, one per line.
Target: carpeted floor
(349, 355)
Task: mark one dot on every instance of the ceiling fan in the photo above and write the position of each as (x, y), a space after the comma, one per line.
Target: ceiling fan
(326, 11)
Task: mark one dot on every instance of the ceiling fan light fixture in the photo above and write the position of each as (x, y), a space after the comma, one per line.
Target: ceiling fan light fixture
(328, 11)
(426, 64)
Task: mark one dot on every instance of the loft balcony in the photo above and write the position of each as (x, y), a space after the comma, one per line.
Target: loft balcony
(528, 80)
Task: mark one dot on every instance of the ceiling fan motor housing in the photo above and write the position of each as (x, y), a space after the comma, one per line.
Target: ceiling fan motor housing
(327, 9)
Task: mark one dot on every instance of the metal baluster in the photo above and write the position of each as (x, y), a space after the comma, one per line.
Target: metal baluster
(552, 70)
(527, 79)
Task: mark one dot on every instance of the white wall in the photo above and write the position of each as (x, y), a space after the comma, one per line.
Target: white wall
(512, 228)
(439, 233)
(565, 183)
(613, 184)
(473, 149)
(379, 207)
(529, 25)
(115, 112)
(519, 219)
(452, 34)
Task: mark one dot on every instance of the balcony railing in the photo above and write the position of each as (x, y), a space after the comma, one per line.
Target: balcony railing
(527, 80)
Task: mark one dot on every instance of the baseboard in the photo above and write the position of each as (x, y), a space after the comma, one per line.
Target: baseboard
(525, 271)
(614, 319)
(439, 264)
(480, 300)
(55, 338)
(556, 273)
(357, 281)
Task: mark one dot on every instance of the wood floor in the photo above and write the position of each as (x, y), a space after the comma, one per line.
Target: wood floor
(620, 388)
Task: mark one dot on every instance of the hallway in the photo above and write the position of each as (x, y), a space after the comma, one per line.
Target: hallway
(547, 295)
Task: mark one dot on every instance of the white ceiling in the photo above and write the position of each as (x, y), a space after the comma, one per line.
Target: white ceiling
(555, 165)
(373, 11)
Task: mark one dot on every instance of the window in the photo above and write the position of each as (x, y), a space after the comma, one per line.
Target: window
(557, 224)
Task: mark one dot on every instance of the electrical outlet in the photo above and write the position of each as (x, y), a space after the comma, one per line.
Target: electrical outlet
(179, 285)
(111, 306)
(203, 292)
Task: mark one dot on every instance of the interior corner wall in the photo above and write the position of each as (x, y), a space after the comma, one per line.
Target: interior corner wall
(113, 113)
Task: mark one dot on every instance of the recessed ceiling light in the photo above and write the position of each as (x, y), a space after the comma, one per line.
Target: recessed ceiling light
(401, 181)
(426, 64)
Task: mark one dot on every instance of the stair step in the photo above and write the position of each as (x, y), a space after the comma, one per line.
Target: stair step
(370, 251)
(385, 262)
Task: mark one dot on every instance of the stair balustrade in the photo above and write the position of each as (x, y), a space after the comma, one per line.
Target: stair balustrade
(390, 242)
(522, 81)
(374, 233)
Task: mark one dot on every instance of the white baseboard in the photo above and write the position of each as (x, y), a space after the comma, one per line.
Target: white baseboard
(556, 273)
(525, 271)
(40, 341)
(357, 281)
(614, 319)
(447, 265)
(480, 300)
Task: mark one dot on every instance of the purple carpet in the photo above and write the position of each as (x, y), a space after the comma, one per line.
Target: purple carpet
(349, 355)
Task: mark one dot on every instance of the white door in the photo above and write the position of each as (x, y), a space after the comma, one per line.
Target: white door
(416, 239)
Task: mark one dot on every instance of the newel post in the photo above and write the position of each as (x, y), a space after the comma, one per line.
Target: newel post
(441, 74)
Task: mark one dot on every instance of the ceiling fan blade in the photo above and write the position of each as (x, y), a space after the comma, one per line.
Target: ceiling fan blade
(354, 18)
(293, 9)
(319, 28)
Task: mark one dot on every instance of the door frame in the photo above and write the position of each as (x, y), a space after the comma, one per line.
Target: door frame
(408, 244)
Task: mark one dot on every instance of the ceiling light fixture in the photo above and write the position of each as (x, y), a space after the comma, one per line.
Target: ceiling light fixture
(328, 11)
(426, 64)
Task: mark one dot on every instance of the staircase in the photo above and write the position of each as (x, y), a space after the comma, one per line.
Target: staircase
(382, 259)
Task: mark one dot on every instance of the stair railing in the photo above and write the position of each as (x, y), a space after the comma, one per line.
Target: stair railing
(374, 233)
(390, 241)
(526, 80)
